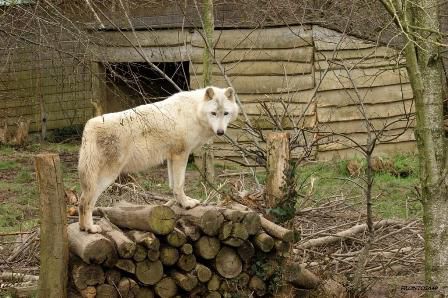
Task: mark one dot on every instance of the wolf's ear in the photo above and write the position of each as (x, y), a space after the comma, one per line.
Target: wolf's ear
(230, 93)
(209, 93)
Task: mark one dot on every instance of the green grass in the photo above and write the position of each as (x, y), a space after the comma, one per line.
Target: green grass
(394, 196)
(8, 165)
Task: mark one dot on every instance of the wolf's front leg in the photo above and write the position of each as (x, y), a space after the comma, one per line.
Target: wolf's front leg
(179, 165)
(169, 164)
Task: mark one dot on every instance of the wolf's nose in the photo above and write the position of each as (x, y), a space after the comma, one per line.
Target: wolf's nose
(220, 132)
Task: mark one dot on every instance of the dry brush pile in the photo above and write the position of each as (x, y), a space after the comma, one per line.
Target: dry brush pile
(161, 251)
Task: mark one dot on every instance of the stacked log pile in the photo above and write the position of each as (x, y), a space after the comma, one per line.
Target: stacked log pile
(161, 251)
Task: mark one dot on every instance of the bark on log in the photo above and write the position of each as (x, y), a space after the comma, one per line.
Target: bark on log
(264, 242)
(91, 248)
(113, 277)
(277, 231)
(53, 227)
(126, 265)
(203, 273)
(208, 218)
(214, 283)
(84, 275)
(207, 247)
(149, 273)
(246, 251)
(225, 230)
(125, 247)
(166, 288)
(297, 275)
(282, 248)
(258, 285)
(140, 253)
(192, 232)
(185, 281)
(127, 287)
(186, 262)
(169, 255)
(176, 238)
(106, 291)
(147, 239)
(158, 219)
(228, 263)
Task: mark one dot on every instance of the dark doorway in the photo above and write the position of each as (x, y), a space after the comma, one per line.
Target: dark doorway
(133, 84)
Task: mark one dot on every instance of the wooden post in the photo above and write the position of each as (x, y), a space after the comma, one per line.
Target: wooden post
(53, 228)
(277, 144)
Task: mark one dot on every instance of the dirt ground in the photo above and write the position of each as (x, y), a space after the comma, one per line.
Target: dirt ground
(394, 262)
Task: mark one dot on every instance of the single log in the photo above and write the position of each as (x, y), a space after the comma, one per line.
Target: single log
(84, 275)
(257, 284)
(187, 249)
(89, 292)
(125, 247)
(127, 287)
(214, 283)
(207, 247)
(213, 294)
(53, 227)
(282, 248)
(106, 291)
(176, 238)
(191, 231)
(233, 215)
(169, 255)
(166, 288)
(277, 231)
(242, 279)
(149, 273)
(186, 262)
(91, 248)
(153, 255)
(208, 218)
(234, 242)
(147, 239)
(228, 263)
(113, 277)
(158, 219)
(225, 231)
(203, 273)
(277, 148)
(297, 275)
(252, 222)
(264, 242)
(140, 253)
(145, 292)
(126, 265)
(185, 281)
(246, 251)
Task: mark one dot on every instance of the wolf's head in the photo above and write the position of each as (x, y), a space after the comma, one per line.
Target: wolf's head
(219, 108)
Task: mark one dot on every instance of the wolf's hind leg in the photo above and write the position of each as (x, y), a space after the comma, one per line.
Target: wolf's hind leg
(169, 164)
(179, 165)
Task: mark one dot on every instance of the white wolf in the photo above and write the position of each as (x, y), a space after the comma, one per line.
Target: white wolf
(143, 137)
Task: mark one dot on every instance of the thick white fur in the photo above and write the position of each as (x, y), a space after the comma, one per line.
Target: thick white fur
(143, 137)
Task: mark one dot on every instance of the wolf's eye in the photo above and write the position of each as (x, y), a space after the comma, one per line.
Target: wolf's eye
(214, 113)
(226, 113)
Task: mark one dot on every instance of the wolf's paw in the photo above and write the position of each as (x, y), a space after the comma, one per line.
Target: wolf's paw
(188, 202)
(93, 229)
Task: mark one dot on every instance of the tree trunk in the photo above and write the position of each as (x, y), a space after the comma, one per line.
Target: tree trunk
(53, 227)
(207, 166)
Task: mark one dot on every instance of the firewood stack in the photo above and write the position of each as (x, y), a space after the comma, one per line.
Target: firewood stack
(160, 251)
